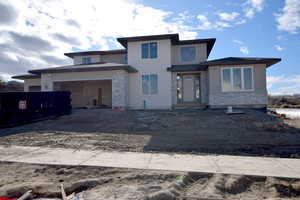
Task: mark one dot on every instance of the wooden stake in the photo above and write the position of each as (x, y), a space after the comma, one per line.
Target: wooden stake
(25, 196)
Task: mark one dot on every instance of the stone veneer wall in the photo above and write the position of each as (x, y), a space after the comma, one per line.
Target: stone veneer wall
(120, 90)
(238, 99)
(119, 80)
(257, 98)
(204, 87)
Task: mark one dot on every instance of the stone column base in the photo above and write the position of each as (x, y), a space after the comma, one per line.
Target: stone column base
(121, 108)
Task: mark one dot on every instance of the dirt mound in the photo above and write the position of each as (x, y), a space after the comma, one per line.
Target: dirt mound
(279, 187)
(236, 186)
(113, 183)
(50, 190)
(161, 195)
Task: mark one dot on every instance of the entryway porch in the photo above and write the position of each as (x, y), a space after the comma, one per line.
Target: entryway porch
(191, 92)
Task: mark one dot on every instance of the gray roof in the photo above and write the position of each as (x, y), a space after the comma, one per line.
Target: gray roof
(242, 60)
(223, 61)
(26, 76)
(185, 68)
(107, 52)
(86, 67)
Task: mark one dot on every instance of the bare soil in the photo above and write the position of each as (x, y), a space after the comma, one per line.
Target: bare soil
(254, 133)
(112, 183)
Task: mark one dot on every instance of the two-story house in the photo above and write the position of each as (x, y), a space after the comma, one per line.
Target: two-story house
(157, 72)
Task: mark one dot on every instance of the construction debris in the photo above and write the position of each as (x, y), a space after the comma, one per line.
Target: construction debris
(26, 195)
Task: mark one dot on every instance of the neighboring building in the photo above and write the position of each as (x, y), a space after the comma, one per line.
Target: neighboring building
(297, 96)
(157, 72)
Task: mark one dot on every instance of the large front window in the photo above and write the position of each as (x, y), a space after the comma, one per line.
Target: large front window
(150, 84)
(149, 50)
(188, 54)
(237, 79)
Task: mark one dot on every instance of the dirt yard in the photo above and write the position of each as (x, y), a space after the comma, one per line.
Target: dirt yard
(112, 183)
(254, 133)
(205, 131)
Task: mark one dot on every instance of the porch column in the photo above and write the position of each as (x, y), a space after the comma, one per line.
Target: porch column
(46, 82)
(120, 90)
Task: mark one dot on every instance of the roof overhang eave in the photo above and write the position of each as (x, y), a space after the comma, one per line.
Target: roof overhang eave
(128, 68)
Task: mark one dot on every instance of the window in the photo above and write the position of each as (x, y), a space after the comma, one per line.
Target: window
(149, 50)
(150, 84)
(237, 79)
(188, 54)
(86, 60)
(126, 58)
(247, 78)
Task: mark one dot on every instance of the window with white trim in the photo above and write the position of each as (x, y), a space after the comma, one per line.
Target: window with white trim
(149, 50)
(150, 83)
(86, 60)
(237, 79)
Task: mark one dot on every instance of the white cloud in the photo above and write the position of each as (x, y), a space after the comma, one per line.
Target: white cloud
(278, 47)
(244, 50)
(280, 37)
(228, 16)
(252, 7)
(283, 84)
(205, 23)
(238, 42)
(5, 77)
(231, 19)
(36, 33)
(289, 19)
(271, 80)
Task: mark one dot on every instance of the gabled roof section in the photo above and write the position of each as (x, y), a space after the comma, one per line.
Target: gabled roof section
(26, 76)
(87, 53)
(174, 40)
(125, 40)
(209, 41)
(242, 60)
(83, 68)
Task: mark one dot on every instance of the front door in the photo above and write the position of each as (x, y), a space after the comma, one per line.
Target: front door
(188, 88)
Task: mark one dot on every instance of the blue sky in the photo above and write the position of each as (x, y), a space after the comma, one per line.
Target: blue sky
(35, 33)
(259, 34)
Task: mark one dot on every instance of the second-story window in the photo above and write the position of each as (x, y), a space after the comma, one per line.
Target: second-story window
(149, 50)
(86, 60)
(188, 54)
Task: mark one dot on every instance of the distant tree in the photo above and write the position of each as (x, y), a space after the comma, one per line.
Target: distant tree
(11, 86)
(2, 84)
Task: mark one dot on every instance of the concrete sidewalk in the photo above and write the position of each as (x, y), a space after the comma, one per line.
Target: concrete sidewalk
(241, 165)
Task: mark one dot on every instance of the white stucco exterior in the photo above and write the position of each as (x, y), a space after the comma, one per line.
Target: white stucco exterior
(124, 78)
(162, 100)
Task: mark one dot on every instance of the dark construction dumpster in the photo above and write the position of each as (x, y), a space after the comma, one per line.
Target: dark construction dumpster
(22, 107)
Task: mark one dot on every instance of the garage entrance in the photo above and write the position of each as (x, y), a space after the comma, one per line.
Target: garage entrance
(94, 93)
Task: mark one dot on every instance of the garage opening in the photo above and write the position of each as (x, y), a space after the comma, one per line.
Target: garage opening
(95, 93)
